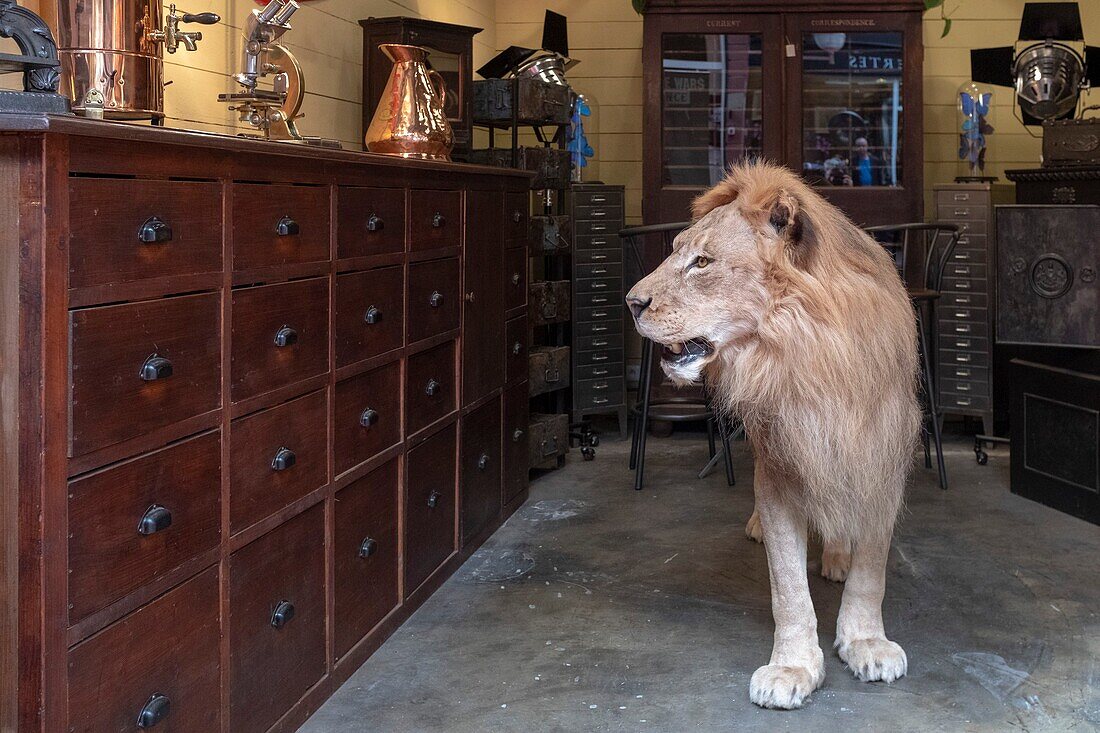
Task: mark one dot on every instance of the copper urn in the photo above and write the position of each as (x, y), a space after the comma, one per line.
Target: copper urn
(410, 120)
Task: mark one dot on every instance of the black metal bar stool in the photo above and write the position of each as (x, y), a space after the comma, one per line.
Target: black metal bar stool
(672, 409)
(939, 240)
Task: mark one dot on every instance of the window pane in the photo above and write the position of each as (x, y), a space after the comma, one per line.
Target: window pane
(852, 108)
(710, 105)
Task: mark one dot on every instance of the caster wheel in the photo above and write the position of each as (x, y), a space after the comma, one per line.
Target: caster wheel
(981, 457)
(587, 453)
(593, 440)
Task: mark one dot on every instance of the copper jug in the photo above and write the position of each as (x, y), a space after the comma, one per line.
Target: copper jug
(409, 120)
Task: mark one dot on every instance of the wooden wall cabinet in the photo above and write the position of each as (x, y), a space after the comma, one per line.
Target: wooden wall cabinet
(249, 423)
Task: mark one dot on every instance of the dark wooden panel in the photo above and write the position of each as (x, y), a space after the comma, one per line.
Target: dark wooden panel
(370, 313)
(515, 278)
(258, 363)
(108, 556)
(169, 648)
(269, 667)
(480, 468)
(257, 211)
(357, 435)
(260, 481)
(483, 306)
(369, 221)
(515, 454)
(429, 507)
(429, 387)
(110, 400)
(433, 298)
(435, 219)
(107, 216)
(515, 342)
(365, 554)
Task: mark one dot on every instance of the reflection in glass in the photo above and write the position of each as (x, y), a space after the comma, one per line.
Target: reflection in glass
(447, 64)
(710, 105)
(852, 108)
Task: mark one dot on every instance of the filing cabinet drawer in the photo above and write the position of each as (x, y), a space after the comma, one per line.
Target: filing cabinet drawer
(516, 211)
(961, 371)
(365, 554)
(598, 270)
(968, 285)
(964, 210)
(515, 340)
(280, 336)
(964, 343)
(128, 230)
(369, 221)
(480, 468)
(516, 406)
(277, 621)
(435, 219)
(951, 357)
(964, 269)
(430, 506)
(598, 285)
(164, 656)
(964, 387)
(599, 212)
(603, 231)
(963, 313)
(598, 371)
(430, 387)
(946, 199)
(366, 415)
(602, 357)
(968, 226)
(134, 522)
(606, 240)
(598, 328)
(598, 256)
(964, 402)
(964, 255)
(515, 278)
(601, 313)
(370, 313)
(612, 342)
(433, 298)
(970, 240)
(277, 456)
(951, 299)
(279, 225)
(142, 366)
(597, 392)
(583, 198)
(951, 330)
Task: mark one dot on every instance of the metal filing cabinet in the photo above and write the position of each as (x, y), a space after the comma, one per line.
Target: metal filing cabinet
(964, 312)
(599, 382)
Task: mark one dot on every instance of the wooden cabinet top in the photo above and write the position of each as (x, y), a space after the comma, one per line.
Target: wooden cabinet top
(784, 6)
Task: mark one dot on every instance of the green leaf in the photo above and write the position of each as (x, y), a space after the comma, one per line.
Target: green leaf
(929, 4)
(639, 6)
(946, 27)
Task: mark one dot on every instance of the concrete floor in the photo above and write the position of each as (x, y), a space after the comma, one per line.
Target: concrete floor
(596, 608)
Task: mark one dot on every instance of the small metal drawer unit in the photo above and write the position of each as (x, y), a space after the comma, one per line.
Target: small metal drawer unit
(964, 313)
(599, 385)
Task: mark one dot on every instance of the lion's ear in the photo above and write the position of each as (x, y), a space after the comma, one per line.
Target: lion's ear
(790, 223)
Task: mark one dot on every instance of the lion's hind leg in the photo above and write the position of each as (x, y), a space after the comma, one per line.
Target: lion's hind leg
(752, 529)
(836, 559)
(860, 637)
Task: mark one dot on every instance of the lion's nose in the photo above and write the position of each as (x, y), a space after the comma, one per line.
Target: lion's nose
(637, 305)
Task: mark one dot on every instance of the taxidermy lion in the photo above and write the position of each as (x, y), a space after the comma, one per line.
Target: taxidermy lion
(802, 327)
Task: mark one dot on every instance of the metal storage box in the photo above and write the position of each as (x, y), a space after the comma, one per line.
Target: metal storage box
(548, 369)
(550, 165)
(548, 235)
(548, 302)
(540, 103)
(549, 440)
(1071, 142)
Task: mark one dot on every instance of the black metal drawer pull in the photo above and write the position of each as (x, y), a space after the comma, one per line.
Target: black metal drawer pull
(517, 216)
(433, 499)
(438, 220)
(516, 435)
(155, 367)
(368, 418)
(515, 278)
(155, 231)
(517, 348)
(367, 548)
(433, 387)
(156, 519)
(287, 227)
(483, 461)
(373, 315)
(154, 710)
(552, 375)
(282, 615)
(286, 336)
(436, 299)
(375, 223)
(284, 459)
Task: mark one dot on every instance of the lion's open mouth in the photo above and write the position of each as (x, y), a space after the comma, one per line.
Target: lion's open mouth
(685, 352)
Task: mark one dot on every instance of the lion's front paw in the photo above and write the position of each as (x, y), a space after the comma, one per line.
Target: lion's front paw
(781, 686)
(835, 564)
(752, 529)
(872, 660)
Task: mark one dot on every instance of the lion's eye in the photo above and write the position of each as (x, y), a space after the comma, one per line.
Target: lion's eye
(700, 262)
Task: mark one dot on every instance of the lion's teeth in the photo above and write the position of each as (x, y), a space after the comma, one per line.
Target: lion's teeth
(676, 348)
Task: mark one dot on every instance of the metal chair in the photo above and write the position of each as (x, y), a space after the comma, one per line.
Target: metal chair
(672, 409)
(938, 240)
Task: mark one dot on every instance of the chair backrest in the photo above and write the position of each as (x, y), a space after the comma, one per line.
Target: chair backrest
(937, 240)
(633, 237)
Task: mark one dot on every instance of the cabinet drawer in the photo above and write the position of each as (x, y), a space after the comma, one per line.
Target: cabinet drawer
(950, 330)
(967, 255)
(964, 387)
(280, 336)
(277, 456)
(597, 392)
(597, 328)
(965, 210)
(601, 313)
(548, 302)
(128, 230)
(599, 298)
(167, 649)
(949, 401)
(962, 313)
(370, 313)
(599, 270)
(602, 357)
(598, 285)
(599, 212)
(970, 240)
(946, 199)
(966, 285)
(430, 387)
(548, 369)
(433, 298)
(516, 405)
(598, 198)
(964, 269)
(429, 507)
(279, 225)
(964, 343)
(950, 357)
(602, 231)
(960, 371)
(480, 468)
(602, 369)
(435, 219)
(515, 341)
(608, 342)
(598, 256)
(365, 554)
(369, 221)
(131, 524)
(515, 278)
(951, 299)
(366, 416)
(516, 211)
(276, 621)
(968, 226)
(142, 366)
